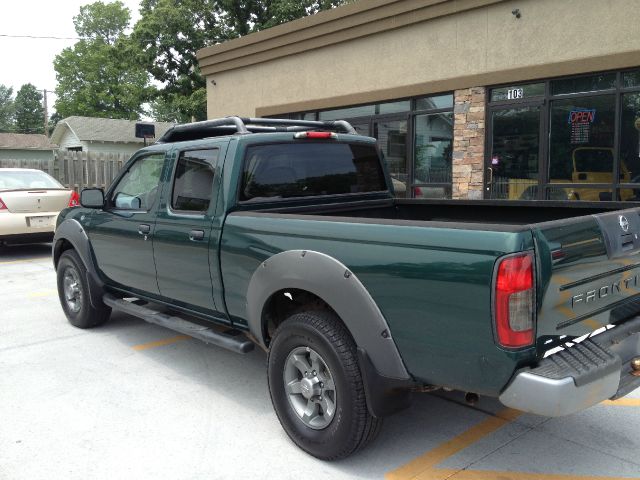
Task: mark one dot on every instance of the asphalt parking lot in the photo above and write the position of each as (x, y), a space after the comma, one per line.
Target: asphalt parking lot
(134, 401)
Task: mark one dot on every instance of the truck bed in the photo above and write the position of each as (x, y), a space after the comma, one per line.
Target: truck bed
(466, 214)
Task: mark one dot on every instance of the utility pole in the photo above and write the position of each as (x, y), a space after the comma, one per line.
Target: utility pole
(46, 114)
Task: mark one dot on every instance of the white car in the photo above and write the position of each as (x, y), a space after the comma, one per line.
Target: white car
(30, 201)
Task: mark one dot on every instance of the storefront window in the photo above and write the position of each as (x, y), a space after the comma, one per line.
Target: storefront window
(393, 107)
(351, 112)
(435, 102)
(571, 139)
(433, 148)
(631, 79)
(593, 83)
(630, 138)
(392, 138)
(581, 141)
(415, 137)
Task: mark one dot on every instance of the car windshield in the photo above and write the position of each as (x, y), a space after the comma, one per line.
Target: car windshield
(26, 179)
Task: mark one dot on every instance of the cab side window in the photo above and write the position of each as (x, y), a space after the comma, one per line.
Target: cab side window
(138, 187)
(193, 184)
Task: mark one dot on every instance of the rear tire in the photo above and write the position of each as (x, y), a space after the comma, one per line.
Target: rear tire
(324, 412)
(73, 292)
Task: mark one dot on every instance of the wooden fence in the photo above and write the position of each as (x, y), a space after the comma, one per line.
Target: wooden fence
(76, 170)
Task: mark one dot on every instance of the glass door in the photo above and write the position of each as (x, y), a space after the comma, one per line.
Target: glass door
(513, 165)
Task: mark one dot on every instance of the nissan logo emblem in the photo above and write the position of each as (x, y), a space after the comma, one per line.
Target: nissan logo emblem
(624, 223)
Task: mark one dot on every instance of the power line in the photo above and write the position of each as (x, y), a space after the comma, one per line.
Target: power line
(43, 37)
(54, 37)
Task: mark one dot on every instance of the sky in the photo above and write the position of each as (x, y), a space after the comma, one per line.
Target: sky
(25, 60)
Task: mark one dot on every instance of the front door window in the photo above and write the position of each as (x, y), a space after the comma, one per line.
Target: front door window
(512, 172)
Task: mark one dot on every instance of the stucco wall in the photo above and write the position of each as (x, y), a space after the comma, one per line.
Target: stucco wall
(481, 46)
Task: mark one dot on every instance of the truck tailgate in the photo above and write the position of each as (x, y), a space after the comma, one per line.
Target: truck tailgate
(589, 272)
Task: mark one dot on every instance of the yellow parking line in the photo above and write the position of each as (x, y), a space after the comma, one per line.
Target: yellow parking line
(11, 262)
(43, 293)
(160, 343)
(426, 462)
(623, 402)
(495, 475)
(424, 467)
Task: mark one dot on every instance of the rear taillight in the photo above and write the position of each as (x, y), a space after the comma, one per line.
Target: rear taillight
(3, 207)
(74, 201)
(514, 301)
(315, 135)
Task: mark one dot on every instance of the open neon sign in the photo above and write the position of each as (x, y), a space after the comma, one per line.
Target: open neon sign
(582, 116)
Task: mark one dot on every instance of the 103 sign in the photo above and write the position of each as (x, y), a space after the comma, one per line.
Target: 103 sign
(515, 93)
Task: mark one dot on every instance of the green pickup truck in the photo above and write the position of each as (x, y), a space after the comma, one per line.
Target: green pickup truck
(286, 234)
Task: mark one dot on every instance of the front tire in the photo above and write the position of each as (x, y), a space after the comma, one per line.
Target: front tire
(73, 292)
(316, 386)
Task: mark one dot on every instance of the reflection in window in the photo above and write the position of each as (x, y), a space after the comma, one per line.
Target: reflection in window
(435, 102)
(630, 136)
(432, 191)
(592, 194)
(352, 112)
(433, 148)
(631, 79)
(394, 107)
(602, 81)
(581, 140)
(392, 138)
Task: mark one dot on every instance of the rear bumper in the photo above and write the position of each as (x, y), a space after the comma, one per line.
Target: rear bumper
(19, 224)
(579, 377)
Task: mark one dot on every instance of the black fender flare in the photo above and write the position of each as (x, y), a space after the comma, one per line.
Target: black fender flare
(335, 284)
(71, 231)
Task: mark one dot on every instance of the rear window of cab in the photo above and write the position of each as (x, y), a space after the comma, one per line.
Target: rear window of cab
(290, 170)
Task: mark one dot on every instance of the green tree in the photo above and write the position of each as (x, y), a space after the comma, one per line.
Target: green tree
(29, 112)
(170, 32)
(6, 109)
(99, 76)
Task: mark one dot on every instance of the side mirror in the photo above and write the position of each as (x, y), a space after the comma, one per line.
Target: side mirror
(92, 198)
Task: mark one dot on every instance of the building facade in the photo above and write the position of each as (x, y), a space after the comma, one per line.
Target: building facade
(469, 99)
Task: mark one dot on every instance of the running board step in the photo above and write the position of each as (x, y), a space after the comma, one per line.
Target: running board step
(238, 344)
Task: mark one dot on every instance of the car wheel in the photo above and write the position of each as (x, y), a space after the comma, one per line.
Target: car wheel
(73, 292)
(316, 386)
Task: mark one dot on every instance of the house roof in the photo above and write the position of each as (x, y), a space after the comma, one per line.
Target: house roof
(91, 129)
(25, 141)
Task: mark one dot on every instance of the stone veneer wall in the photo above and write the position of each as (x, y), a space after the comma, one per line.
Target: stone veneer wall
(468, 143)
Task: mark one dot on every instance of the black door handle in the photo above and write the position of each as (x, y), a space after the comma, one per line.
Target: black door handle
(196, 235)
(144, 229)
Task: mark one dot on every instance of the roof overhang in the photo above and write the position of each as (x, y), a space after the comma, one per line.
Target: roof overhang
(355, 20)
